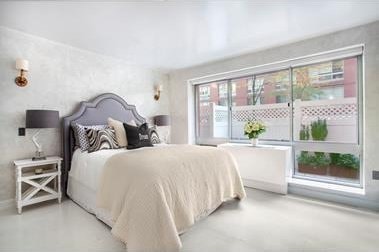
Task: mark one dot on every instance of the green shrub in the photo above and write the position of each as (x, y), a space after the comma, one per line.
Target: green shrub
(304, 132)
(313, 160)
(319, 130)
(344, 160)
(334, 157)
(303, 158)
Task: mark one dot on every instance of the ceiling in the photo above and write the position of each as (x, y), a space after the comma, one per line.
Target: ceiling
(176, 34)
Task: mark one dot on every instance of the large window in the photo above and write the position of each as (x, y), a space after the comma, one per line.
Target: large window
(313, 107)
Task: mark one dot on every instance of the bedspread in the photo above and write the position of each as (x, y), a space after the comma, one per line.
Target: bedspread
(155, 194)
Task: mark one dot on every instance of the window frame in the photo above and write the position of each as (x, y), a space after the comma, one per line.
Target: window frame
(339, 54)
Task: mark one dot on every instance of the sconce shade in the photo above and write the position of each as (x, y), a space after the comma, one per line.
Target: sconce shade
(22, 64)
(38, 119)
(162, 120)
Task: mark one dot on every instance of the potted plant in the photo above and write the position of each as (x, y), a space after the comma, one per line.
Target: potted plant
(319, 130)
(313, 163)
(317, 162)
(344, 166)
(253, 129)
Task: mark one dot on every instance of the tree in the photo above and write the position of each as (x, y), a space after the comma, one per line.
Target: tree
(258, 86)
(303, 88)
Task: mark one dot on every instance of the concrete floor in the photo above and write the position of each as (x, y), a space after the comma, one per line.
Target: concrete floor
(262, 222)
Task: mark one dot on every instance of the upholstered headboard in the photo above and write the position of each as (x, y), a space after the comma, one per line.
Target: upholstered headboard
(94, 112)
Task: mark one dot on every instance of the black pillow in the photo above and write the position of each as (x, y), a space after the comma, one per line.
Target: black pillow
(137, 136)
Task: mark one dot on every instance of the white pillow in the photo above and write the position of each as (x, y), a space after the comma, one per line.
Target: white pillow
(163, 133)
(119, 129)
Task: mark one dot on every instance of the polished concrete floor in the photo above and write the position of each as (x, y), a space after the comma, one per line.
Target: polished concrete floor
(263, 222)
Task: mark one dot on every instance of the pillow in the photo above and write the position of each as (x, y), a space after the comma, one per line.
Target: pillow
(137, 136)
(164, 133)
(154, 136)
(101, 139)
(120, 131)
(80, 135)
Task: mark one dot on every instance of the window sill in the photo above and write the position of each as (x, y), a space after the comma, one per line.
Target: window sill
(326, 186)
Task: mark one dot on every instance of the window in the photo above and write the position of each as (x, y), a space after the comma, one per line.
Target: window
(256, 99)
(313, 107)
(212, 113)
(325, 115)
(204, 93)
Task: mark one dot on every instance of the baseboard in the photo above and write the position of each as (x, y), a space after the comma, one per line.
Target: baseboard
(265, 186)
(350, 200)
(7, 203)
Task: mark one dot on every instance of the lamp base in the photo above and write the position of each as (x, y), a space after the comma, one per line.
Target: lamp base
(39, 156)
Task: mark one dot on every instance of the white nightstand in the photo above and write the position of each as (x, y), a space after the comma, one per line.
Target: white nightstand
(42, 187)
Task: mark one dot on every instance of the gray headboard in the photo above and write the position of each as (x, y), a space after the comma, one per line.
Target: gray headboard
(94, 112)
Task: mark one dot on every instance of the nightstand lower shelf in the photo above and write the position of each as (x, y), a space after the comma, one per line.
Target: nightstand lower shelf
(40, 197)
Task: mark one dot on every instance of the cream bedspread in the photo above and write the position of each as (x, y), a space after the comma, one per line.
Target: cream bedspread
(155, 194)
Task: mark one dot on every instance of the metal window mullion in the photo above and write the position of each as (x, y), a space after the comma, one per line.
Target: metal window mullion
(197, 122)
(360, 88)
(291, 140)
(230, 91)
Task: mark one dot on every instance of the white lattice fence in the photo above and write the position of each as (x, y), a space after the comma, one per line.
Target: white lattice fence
(260, 112)
(341, 116)
(205, 121)
(213, 121)
(311, 111)
(275, 116)
(220, 122)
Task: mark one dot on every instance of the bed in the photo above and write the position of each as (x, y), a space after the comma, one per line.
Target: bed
(148, 196)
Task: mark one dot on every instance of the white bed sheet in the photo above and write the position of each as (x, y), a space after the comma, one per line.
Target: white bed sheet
(87, 167)
(83, 179)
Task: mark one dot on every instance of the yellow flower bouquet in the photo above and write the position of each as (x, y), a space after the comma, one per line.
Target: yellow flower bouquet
(253, 129)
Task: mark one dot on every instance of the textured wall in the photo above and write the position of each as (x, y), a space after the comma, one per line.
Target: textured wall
(367, 34)
(60, 77)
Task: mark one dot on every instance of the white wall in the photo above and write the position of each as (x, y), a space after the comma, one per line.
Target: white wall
(181, 98)
(60, 77)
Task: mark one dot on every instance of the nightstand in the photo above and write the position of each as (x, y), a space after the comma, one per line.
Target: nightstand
(42, 187)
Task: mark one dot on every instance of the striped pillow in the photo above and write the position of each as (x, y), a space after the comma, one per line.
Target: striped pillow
(81, 139)
(101, 139)
(154, 137)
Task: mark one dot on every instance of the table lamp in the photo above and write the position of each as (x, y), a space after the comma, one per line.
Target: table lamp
(39, 119)
(163, 121)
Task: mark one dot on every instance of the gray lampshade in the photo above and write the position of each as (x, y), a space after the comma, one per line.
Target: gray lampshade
(42, 119)
(162, 120)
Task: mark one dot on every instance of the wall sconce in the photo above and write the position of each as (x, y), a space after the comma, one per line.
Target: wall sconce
(158, 90)
(23, 66)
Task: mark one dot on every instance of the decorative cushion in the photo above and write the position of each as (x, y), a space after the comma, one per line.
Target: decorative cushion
(154, 136)
(101, 139)
(120, 131)
(137, 136)
(164, 133)
(80, 134)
